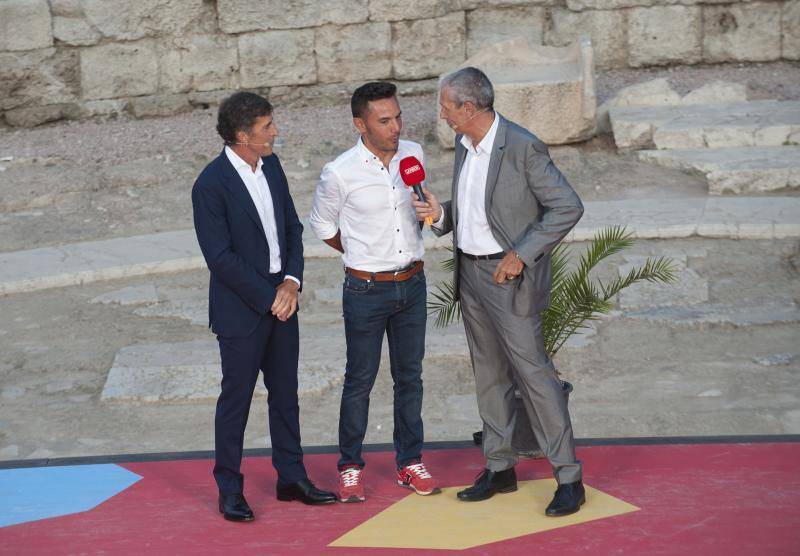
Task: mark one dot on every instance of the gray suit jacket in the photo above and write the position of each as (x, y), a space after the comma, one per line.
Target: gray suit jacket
(530, 207)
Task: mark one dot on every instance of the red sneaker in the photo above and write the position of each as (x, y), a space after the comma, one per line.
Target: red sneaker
(351, 484)
(416, 477)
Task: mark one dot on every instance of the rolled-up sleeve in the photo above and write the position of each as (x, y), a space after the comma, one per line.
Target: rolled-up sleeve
(327, 205)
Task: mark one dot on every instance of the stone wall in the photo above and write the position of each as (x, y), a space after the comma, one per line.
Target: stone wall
(83, 58)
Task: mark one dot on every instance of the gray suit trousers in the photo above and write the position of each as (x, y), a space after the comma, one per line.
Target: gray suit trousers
(507, 349)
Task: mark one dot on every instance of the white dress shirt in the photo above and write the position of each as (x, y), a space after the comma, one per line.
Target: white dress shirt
(371, 206)
(258, 188)
(474, 234)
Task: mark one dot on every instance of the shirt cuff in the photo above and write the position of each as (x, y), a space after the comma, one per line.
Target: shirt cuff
(290, 277)
(438, 223)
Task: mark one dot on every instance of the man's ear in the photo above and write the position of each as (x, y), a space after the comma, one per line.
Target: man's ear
(359, 123)
(241, 137)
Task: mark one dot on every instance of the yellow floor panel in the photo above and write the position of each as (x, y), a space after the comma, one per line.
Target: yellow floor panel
(442, 521)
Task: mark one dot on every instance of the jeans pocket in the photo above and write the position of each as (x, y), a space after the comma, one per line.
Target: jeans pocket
(356, 285)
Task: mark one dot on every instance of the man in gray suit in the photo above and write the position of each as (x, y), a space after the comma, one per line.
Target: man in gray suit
(510, 207)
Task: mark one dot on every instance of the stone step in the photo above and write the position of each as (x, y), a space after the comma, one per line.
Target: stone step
(764, 123)
(188, 371)
(70, 265)
(735, 170)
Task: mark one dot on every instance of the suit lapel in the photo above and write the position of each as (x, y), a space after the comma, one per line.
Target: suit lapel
(461, 155)
(239, 191)
(495, 160)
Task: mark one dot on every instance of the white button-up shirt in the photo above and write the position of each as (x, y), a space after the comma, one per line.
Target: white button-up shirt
(371, 206)
(474, 234)
(258, 188)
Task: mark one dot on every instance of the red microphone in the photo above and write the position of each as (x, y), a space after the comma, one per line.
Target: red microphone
(413, 175)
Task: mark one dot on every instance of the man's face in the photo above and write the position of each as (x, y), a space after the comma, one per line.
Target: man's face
(449, 111)
(262, 135)
(381, 125)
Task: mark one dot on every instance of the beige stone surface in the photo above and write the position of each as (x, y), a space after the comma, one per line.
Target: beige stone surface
(125, 20)
(664, 35)
(790, 30)
(25, 25)
(742, 32)
(548, 90)
(391, 10)
(426, 48)
(70, 24)
(489, 25)
(260, 66)
(606, 29)
(236, 16)
(716, 91)
(46, 76)
(656, 92)
(617, 4)
(119, 70)
(199, 63)
(342, 52)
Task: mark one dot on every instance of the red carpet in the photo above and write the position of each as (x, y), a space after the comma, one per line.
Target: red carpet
(715, 499)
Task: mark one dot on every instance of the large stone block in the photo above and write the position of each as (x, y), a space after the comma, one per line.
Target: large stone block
(119, 70)
(354, 52)
(604, 28)
(199, 63)
(664, 35)
(46, 76)
(75, 31)
(25, 25)
(427, 47)
(546, 89)
(488, 26)
(391, 10)
(476, 4)
(579, 5)
(124, 20)
(745, 32)
(791, 30)
(274, 58)
(237, 16)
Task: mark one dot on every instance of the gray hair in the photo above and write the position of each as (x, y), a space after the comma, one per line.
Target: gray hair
(470, 84)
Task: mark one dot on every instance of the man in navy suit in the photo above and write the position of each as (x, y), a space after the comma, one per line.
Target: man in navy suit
(250, 236)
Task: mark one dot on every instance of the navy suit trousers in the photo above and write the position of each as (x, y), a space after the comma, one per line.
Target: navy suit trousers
(273, 349)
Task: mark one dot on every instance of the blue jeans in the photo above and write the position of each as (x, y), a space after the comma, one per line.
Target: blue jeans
(370, 309)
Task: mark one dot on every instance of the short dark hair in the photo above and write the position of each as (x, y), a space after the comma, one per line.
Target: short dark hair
(238, 112)
(374, 90)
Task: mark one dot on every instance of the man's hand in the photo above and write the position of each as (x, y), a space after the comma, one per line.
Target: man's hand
(285, 303)
(508, 268)
(429, 207)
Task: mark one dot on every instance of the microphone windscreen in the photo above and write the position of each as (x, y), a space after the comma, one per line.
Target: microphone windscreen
(411, 170)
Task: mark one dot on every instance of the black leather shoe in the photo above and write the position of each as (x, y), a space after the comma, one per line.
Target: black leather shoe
(306, 492)
(233, 507)
(488, 484)
(568, 499)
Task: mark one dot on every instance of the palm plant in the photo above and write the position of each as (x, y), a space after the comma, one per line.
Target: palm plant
(576, 300)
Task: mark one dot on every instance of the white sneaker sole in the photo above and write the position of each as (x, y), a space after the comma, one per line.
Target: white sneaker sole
(436, 490)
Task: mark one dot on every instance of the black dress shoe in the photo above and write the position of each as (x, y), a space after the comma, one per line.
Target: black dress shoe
(306, 492)
(488, 484)
(233, 507)
(568, 499)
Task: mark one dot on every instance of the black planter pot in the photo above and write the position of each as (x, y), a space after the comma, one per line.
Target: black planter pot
(524, 441)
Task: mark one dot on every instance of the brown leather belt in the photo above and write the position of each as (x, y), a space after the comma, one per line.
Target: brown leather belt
(391, 276)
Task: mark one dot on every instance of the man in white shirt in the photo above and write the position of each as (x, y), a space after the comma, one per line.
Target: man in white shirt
(362, 209)
(511, 206)
(251, 239)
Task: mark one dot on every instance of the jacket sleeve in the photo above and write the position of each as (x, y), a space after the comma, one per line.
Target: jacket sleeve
(561, 206)
(213, 235)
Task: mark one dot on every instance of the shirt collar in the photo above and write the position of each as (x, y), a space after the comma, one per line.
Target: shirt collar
(367, 155)
(486, 144)
(239, 163)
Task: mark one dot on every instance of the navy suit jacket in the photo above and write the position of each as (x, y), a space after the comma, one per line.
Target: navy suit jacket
(235, 248)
